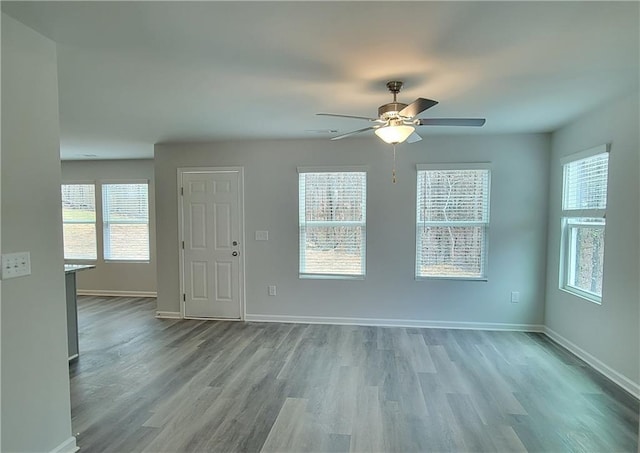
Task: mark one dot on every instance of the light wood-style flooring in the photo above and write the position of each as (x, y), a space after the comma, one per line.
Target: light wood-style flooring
(147, 385)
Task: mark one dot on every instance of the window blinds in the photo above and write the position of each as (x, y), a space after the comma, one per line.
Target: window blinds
(126, 221)
(585, 183)
(332, 220)
(452, 219)
(79, 221)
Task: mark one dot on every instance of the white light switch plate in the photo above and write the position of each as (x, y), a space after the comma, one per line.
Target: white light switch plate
(16, 265)
(262, 235)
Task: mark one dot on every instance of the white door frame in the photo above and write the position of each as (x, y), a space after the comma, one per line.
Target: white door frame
(241, 265)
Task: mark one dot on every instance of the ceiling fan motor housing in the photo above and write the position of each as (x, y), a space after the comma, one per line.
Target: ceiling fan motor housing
(390, 110)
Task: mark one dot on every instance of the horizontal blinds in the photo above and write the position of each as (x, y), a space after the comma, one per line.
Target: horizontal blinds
(453, 196)
(585, 183)
(452, 216)
(78, 203)
(79, 221)
(332, 219)
(126, 221)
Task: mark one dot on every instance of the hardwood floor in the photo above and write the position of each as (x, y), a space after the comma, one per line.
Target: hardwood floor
(149, 385)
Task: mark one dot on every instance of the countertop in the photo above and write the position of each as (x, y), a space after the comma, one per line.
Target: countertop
(69, 268)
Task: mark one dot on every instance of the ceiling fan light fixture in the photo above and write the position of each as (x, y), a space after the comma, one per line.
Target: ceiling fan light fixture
(394, 134)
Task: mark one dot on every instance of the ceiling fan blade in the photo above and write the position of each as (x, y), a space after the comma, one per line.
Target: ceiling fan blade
(417, 106)
(413, 138)
(451, 122)
(348, 116)
(349, 134)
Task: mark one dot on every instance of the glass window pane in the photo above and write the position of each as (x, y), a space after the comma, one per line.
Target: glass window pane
(451, 251)
(80, 241)
(585, 183)
(587, 252)
(127, 241)
(333, 250)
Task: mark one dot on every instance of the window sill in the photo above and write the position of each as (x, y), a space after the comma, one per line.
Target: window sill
(329, 277)
(127, 261)
(582, 295)
(470, 279)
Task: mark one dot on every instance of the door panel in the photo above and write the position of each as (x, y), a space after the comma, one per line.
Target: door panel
(212, 258)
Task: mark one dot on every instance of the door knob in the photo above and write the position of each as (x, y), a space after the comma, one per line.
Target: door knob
(234, 253)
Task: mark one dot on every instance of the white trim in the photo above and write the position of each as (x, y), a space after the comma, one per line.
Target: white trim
(199, 318)
(335, 169)
(600, 149)
(68, 446)
(455, 166)
(168, 315)
(395, 322)
(113, 293)
(617, 378)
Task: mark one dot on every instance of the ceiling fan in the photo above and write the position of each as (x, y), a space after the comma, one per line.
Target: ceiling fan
(396, 121)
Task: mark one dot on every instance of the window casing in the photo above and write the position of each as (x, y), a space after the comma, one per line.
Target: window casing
(332, 222)
(125, 216)
(452, 221)
(79, 221)
(584, 202)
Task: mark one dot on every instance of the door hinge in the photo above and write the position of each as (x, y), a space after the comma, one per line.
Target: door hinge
(184, 298)
(182, 245)
(181, 190)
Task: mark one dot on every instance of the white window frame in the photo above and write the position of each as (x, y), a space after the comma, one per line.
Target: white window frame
(571, 220)
(105, 222)
(95, 222)
(485, 225)
(302, 223)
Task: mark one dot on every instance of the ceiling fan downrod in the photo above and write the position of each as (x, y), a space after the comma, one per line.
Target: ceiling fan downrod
(390, 110)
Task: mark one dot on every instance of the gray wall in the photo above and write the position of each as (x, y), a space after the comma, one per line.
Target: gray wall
(609, 332)
(517, 237)
(117, 278)
(36, 414)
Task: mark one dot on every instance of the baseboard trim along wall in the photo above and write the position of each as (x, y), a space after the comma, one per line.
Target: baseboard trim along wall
(68, 446)
(627, 384)
(395, 323)
(168, 315)
(110, 293)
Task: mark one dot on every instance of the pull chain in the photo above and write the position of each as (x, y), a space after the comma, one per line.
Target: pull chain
(394, 164)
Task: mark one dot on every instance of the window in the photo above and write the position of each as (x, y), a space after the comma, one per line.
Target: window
(584, 201)
(79, 221)
(332, 221)
(452, 216)
(125, 212)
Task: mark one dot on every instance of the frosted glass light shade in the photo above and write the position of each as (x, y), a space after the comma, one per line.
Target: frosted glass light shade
(394, 134)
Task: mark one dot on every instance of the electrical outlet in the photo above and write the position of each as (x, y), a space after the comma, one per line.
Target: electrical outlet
(16, 265)
(515, 297)
(272, 290)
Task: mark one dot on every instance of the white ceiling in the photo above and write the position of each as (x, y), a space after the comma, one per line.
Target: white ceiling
(137, 73)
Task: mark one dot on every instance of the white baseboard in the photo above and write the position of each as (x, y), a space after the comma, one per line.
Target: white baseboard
(395, 323)
(627, 384)
(111, 293)
(168, 315)
(68, 446)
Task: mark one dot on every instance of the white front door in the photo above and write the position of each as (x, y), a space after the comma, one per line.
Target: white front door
(212, 258)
